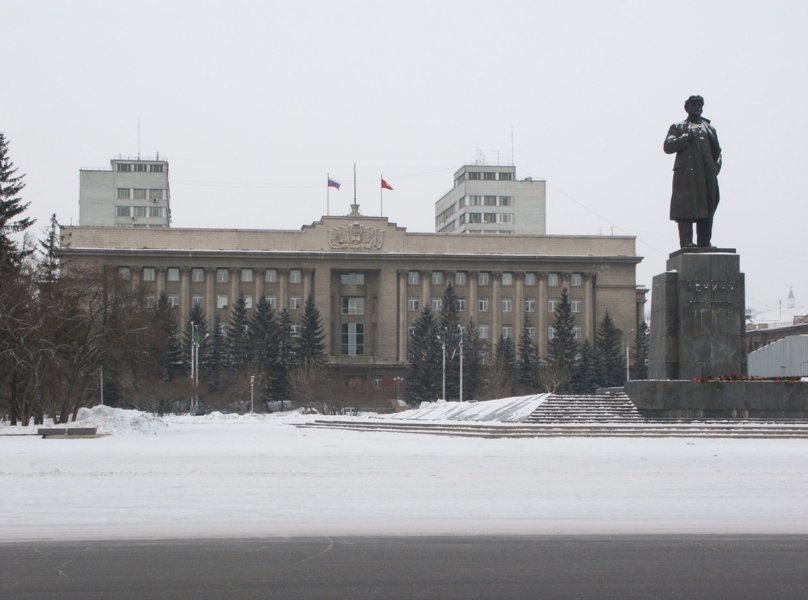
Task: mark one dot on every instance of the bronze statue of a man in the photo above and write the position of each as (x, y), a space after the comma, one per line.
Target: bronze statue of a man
(695, 174)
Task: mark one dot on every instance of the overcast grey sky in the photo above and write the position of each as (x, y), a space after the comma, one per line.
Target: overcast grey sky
(254, 102)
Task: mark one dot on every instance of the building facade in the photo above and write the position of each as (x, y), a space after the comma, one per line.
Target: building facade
(133, 193)
(489, 199)
(370, 279)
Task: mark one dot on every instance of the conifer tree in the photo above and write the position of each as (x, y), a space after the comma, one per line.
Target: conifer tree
(49, 265)
(214, 360)
(309, 344)
(641, 343)
(196, 316)
(608, 356)
(562, 347)
(424, 354)
(263, 332)
(11, 207)
(584, 374)
(238, 343)
(167, 344)
(472, 364)
(279, 385)
(448, 326)
(503, 370)
(528, 362)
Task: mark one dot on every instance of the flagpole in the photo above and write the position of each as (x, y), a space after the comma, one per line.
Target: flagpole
(327, 193)
(381, 196)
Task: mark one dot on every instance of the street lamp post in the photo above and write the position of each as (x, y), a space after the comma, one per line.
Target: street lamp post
(460, 327)
(442, 339)
(398, 381)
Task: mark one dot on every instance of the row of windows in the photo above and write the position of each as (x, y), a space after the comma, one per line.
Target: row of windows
(436, 304)
(222, 275)
(484, 278)
(140, 194)
(222, 301)
(139, 211)
(485, 217)
(506, 331)
(476, 200)
(484, 176)
(139, 168)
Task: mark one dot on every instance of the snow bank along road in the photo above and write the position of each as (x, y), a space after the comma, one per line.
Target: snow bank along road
(260, 475)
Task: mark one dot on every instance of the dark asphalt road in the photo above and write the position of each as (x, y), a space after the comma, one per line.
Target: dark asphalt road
(687, 567)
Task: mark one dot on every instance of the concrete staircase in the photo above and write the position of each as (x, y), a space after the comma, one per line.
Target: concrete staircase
(583, 409)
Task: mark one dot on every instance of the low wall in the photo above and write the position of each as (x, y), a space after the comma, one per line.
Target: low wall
(657, 399)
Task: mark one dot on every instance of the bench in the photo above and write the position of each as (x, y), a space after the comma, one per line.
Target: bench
(72, 432)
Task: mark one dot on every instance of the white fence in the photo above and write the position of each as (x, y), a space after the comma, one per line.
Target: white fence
(785, 357)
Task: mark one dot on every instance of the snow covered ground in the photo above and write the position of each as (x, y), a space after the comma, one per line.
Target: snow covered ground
(259, 475)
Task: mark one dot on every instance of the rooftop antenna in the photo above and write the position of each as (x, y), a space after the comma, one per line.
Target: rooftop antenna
(138, 138)
(512, 163)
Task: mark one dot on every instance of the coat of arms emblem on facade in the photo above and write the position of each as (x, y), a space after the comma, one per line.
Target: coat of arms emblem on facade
(356, 237)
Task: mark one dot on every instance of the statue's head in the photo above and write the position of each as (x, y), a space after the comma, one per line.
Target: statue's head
(694, 106)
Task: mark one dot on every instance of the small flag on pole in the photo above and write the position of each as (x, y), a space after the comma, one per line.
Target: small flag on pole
(385, 185)
(333, 183)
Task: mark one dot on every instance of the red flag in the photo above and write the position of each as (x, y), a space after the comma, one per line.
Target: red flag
(385, 185)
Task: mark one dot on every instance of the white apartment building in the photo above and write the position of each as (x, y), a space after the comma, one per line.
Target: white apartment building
(489, 199)
(133, 193)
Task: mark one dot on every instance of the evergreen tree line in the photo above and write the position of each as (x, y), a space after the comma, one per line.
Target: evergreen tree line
(515, 368)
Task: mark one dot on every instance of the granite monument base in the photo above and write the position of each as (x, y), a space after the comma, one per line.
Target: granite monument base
(697, 316)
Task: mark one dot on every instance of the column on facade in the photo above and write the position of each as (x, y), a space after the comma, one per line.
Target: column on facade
(210, 294)
(541, 314)
(307, 274)
(185, 291)
(403, 331)
(161, 280)
(135, 277)
(235, 285)
(283, 289)
(589, 306)
(426, 282)
(496, 306)
(259, 285)
(518, 305)
(471, 280)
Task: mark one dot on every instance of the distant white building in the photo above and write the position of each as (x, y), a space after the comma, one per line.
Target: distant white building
(133, 193)
(489, 199)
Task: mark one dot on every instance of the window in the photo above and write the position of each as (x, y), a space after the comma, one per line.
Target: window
(124, 167)
(552, 305)
(531, 332)
(172, 274)
(122, 211)
(222, 275)
(460, 304)
(575, 306)
(482, 304)
(221, 301)
(483, 357)
(489, 200)
(413, 278)
(148, 273)
(271, 275)
(413, 304)
(123, 273)
(197, 274)
(155, 211)
(199, 299)
(530, 279)
(173, 300)
(550, 333)
(156, 168)
(474, 175)
(139, 193)
(272, 301)
(294, 302)
(552, 279)
(353, 339)
(437, 304)
(507, 279)
(475, 217)
(460, 278)
(576, 280)
(248, 303)
(483, 278)
(139, 211)
(437, 277)
(246, 275)
(489, 217)
(483, 331)
(352, 279)
(377, 383)
(530, 305)
(576, 333)
(140, 168)
(295, 330)
(353, 305)
(155, 194)
(507, 305)
(489, 176)
(122, 194)
(507, 332)
(506, 176)
(411, 330)
(295, 276)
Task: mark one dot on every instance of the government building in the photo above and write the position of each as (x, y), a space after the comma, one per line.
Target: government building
(370, 279)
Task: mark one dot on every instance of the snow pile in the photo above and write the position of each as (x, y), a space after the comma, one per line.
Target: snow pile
(504, 410)
(119, 421)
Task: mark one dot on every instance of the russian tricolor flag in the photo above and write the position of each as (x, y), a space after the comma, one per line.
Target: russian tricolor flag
(333, 183)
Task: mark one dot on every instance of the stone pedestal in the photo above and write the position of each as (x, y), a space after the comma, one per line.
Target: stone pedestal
(697, 316)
